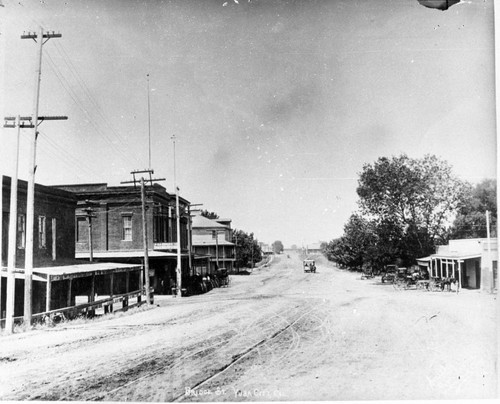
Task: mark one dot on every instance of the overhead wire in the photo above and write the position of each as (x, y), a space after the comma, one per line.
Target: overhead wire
(70, 160)
(74, 96)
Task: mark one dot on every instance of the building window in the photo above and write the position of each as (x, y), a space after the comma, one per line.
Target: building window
(81, 230)
(21, 231)
(127, 228)
(42, 232)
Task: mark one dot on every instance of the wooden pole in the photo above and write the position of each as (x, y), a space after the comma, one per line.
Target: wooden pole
(190, 242)
(92, 294)
(30, 204)
(145, 240)
(111, 291)
(49, 293)
(54, 239)
(11, 260)
(70, 283)
(490, 263)
(179, 263)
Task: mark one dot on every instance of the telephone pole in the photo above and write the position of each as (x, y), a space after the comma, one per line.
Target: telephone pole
(40, 38)
(144, 223)
(11, 259)
(190, 237)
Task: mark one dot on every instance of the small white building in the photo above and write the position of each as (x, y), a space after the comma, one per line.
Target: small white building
(472, 262)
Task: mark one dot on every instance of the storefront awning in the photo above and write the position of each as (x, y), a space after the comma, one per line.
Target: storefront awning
(75, 271)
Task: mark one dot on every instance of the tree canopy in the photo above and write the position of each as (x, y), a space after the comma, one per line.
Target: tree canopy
(406, 208)
(419, 197)
(278, 247)
(209, 215)
(248, 250)
(471, 218)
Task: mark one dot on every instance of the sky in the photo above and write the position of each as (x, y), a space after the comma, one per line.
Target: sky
(275, 105)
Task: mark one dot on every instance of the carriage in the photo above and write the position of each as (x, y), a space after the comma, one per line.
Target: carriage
(223, 277)
(309, 265)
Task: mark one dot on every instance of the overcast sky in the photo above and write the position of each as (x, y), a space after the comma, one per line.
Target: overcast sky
(276, 105)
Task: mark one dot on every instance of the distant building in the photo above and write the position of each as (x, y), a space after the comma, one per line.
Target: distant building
(212, 238)
(313, 248)
(472, 262)
(117, 231)
(266, 248)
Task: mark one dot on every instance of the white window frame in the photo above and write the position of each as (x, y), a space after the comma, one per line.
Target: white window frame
(42, 232)
(21, 231)
(127, 225)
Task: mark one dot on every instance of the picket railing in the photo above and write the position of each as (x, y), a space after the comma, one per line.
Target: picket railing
(89, 308)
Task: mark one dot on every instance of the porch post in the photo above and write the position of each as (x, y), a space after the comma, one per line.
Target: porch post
(68, 302)
(92, 294)
(49, 292)
(459, 275)
(111, 290)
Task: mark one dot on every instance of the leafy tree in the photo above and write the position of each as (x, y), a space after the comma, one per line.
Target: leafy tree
(209, 215)
(294, 247)
(419, 197)
(248, 250)
(278, 247)
(356, 246)
(471, 218)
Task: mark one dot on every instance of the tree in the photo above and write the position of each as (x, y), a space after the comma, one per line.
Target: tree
(278, 247)
(209, 215)
(471, 218)
(418, 197)
(355, 247)
(248, 250)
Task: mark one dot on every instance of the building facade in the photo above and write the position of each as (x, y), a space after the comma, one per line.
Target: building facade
(473, 263)
(53, 237)
(109, 225)
(212, 238)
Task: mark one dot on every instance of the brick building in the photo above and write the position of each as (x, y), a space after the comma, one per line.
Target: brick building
(117, 232)
(53, 244)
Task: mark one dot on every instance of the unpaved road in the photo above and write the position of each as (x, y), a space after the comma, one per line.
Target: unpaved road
(278, 334)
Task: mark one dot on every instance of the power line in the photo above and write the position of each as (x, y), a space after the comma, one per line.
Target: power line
(86, 91)
(66, 85)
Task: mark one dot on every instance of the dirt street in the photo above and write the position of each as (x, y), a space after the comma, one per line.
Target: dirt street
(278, 334)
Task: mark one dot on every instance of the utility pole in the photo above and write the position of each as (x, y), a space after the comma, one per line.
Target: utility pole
(490, 263)
(145, 241)
(178, 222)
(11, 259)
(90, 214)
(179, 262)
(149, 124)
(26, 122)
(217, 248)
(144, 224)
(40, 38)
(190, 237)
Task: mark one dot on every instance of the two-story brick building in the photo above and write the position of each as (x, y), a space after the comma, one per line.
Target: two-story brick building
(117, 232)
(58, 281)
(212, 237)
(52, 236)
